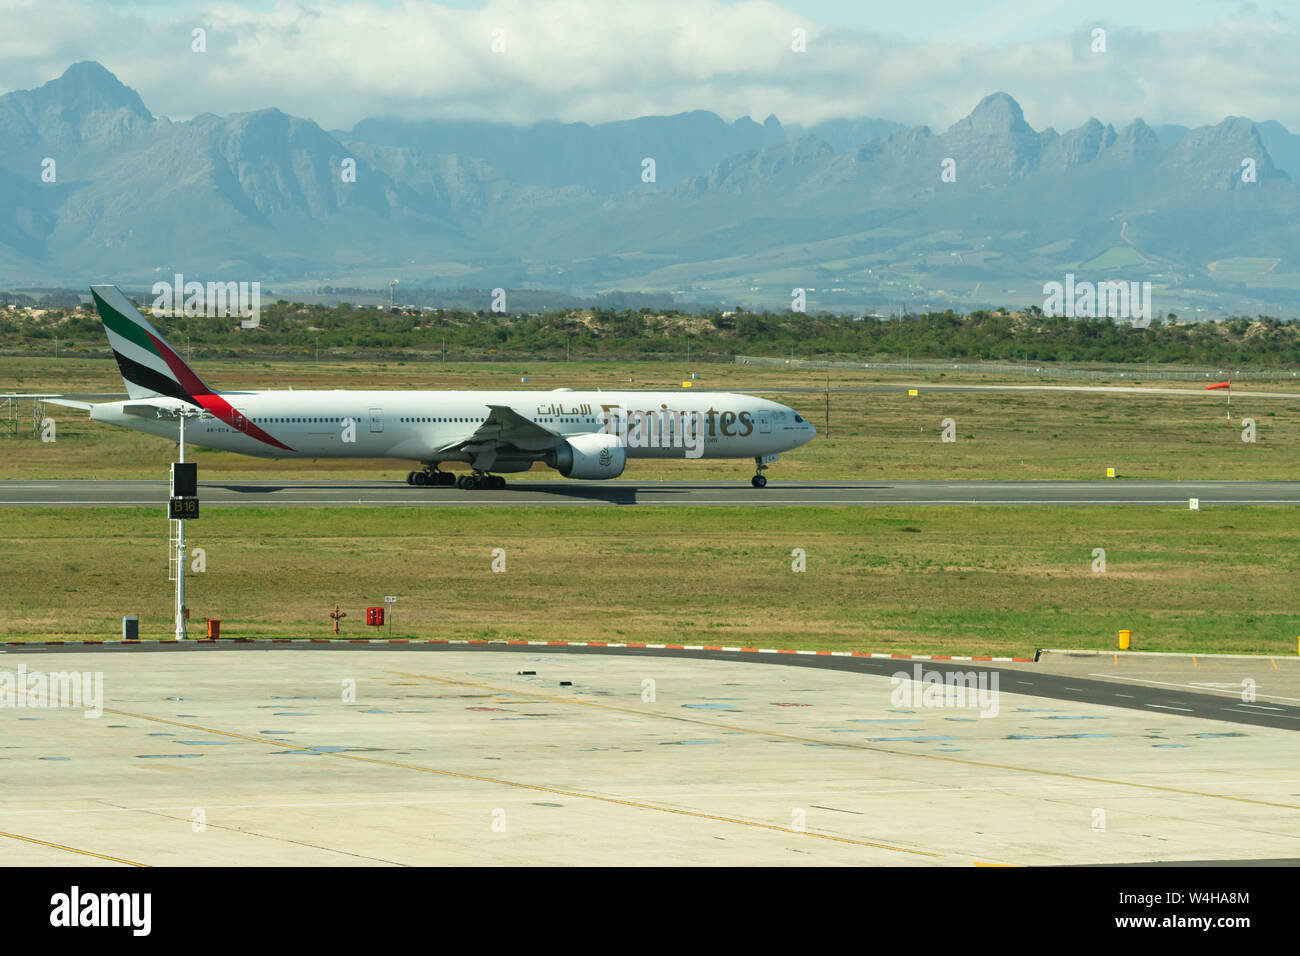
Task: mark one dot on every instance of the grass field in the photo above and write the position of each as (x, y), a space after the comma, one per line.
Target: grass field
(995, 581)
(1001, 435)
(1116, 257)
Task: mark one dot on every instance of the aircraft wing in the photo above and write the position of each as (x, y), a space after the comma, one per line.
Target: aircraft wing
(518, 430)
(504, 431)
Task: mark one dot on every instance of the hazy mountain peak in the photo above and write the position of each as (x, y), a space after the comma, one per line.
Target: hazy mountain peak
(1077, 146)
(269, 118)
(1213, 156)
(1222, 140)
(1139, 134)
(88, 87)
(994, 141)
(86, 107)
(996, 112)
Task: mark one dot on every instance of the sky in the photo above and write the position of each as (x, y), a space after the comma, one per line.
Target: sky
(1168, 61)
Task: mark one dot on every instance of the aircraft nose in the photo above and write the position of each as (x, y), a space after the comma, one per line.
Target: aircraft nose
(807, 431)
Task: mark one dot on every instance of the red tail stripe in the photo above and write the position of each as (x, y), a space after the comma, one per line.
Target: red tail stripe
(204, 398)
(189, 381)
(223, 410)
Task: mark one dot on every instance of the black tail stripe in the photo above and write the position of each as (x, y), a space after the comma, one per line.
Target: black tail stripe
(145, 377)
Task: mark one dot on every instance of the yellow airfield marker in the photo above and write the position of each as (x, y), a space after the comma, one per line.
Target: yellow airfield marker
(912, 392)
(1110, 472)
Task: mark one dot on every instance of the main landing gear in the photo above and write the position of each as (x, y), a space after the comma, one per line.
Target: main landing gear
(430, 476)
(480, 481)
(759, 480)
(476, 481)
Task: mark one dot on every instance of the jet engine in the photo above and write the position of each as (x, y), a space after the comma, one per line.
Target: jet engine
(597, 455)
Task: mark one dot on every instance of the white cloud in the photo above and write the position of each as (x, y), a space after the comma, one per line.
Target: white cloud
(593, 60)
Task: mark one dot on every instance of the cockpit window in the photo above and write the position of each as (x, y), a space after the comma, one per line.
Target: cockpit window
(798, 418)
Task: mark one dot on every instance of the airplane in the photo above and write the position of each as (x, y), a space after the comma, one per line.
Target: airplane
(581, 434)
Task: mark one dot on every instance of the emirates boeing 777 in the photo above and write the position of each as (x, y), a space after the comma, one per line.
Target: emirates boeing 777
(581, 434)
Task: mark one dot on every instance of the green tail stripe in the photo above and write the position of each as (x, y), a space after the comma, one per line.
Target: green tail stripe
(125, 327)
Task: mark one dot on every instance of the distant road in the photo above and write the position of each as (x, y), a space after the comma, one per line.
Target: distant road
(343, 493)
(1192, 390)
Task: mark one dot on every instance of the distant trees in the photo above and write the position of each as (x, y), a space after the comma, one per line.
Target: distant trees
(295, 327)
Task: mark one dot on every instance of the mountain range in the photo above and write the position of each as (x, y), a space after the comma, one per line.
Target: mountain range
(863, 214)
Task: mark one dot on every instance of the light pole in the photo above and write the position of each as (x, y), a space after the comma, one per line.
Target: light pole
(181, 506)
(180, 545)
(391, 287)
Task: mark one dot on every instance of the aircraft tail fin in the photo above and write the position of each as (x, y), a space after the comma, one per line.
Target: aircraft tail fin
(149, 366)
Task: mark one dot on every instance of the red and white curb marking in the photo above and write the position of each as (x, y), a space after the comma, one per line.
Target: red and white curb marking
(654, 647)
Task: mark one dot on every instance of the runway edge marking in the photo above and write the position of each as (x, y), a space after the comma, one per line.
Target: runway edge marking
(517, 643)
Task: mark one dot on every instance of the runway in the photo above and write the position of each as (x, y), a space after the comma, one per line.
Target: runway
(348, 493)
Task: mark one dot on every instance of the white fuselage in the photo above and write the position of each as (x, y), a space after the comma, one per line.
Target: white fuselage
(413, 425)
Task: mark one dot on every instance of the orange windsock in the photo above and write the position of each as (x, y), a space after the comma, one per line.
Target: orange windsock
(1219, 385)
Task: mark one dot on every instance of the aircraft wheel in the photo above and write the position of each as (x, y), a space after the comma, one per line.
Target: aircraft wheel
(759, 481)
(446, 478)
(497, 483)
(461, 482)
(419, 478)
(410, 477)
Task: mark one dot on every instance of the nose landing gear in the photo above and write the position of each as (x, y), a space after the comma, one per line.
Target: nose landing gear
(759, 480)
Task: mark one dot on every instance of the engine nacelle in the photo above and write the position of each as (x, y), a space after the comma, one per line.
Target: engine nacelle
(597, 455)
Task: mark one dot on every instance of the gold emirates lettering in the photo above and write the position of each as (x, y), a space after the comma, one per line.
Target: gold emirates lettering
(724, 422)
